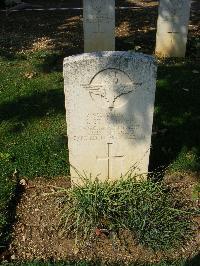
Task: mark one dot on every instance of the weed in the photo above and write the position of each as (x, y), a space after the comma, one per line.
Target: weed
(144, 208)
(196, 192)
(186, 160)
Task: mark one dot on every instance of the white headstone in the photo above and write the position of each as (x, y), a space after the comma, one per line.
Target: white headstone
(109, 99)
(99, 25)
(172, 28)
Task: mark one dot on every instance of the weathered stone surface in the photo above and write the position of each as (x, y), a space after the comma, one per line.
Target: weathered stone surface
(99, 25)
(109, 99)
(172, 28)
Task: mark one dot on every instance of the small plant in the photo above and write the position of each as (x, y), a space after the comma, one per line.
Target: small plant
(196, 192)
(144, 208)
(186, 161)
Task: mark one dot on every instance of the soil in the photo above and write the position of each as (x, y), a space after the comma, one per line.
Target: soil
(37, 236)
(36, 232)
(62, 30)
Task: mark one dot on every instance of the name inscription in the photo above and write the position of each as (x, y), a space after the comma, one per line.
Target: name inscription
(111, 127)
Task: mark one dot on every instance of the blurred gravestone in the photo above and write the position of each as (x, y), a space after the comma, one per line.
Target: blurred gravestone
(172, 28)
(109, 99)
(11, 2)
(99, 25)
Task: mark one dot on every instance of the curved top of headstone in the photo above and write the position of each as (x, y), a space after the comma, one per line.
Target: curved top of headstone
(109, 100)
(98, 55)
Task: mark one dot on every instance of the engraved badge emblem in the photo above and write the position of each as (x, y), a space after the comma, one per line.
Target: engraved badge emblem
(110, 88)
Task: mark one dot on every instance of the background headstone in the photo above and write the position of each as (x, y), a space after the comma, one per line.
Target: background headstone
(10, 2)
(109, 99)
(99, 25)
(172, 28)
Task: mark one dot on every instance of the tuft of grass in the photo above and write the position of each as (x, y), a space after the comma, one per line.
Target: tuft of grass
(144, 208)
(187, 160)
(196, 192)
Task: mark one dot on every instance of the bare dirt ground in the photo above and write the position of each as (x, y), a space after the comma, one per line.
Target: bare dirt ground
(36, 234)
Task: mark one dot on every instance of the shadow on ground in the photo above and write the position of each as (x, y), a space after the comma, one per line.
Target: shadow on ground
(11, 218)
(34, 106)
(62, 34)
(176, 119)
(194, 261)
(63, 30)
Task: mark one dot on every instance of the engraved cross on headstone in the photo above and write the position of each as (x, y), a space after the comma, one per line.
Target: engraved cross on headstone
(99, 18)
(173, 33)
(172, 19)
(109, 159)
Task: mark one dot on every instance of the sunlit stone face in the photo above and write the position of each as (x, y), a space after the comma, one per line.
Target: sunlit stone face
(109, 99)
(172, 28)
(99, 25)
